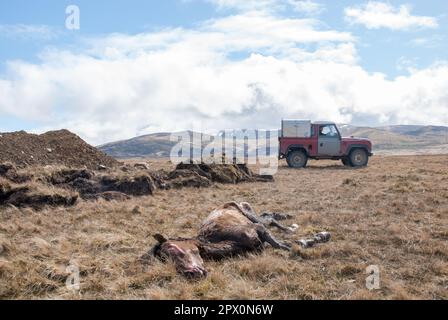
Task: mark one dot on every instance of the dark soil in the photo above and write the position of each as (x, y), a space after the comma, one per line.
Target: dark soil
(62, 186)
(52, 148)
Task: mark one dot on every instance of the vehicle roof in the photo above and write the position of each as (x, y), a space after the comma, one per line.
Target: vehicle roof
(323, 122)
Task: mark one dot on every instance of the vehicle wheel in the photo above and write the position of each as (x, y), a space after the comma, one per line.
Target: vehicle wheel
(359, 158)
(346, 162)
(297, 159)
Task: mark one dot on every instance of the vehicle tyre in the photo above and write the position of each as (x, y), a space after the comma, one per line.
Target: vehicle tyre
(297, 159)
(359, 158)
(346, 162)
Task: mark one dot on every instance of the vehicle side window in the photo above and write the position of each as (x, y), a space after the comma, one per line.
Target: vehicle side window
(328, 131)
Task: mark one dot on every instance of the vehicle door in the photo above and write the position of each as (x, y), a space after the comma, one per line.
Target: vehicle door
(329, 140)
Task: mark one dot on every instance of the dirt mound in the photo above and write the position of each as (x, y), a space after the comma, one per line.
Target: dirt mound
(61, 186)
(134, 182)
(9, 171)
(107, 186)
(223, 173)
(135, 186)
(35, 197)
(52, 148)
(185, 178)
(70, 175)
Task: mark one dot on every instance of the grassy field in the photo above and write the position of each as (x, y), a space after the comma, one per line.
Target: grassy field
(393, 214)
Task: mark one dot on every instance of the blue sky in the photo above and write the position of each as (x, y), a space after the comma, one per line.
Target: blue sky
(99, 17)
(387, 46)
(380, 50)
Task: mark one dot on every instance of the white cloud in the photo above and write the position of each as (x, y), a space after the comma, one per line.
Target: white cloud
(254, 29)
(407, 64)
(125, 85)
(27, 31)
(245, 4)
(431, 42)
(375, 15)
(248, 31)
(308, 7)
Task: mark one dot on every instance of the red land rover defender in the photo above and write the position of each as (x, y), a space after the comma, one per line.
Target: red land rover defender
(302, 140)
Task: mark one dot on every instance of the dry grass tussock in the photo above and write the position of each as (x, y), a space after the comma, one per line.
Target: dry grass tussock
(393, 214)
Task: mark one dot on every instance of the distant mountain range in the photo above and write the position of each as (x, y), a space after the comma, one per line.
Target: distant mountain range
(400, 139)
